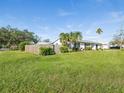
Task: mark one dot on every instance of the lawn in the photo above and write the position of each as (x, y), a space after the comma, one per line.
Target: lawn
(83, 72)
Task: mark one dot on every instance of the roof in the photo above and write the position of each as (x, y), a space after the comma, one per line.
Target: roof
(55, 41)
(83, 41)
(91, 42)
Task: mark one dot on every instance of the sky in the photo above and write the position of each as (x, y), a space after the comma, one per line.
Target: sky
(48, 18)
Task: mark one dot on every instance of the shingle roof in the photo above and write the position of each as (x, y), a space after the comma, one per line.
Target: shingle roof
(83, 41)
(91, 42)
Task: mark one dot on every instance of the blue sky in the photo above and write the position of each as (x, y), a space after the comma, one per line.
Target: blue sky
(48, 18)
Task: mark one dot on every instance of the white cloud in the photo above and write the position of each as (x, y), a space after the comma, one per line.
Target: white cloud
(116, 14)
(114, 17)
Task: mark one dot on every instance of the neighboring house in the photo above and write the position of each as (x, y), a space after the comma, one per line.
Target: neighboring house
(34, 48)
(105, 46)
(122, 46)
(116, 46)
(94, 45)
(57, 44)
(83, 44)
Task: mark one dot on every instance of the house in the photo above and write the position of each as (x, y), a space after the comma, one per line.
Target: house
(105, 46)
(116, 46)
(93, 45)
(83, 45)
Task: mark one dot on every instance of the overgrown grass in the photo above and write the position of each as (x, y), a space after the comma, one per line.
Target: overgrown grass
(86, 72)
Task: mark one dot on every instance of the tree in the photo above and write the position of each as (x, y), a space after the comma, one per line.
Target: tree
(22, 45)
(36, 39)
(99, 31)
(118, 38)
(13, 36)
(64, 38)
(121, 35)
(46, 40)
(71, 39)
(75, 38)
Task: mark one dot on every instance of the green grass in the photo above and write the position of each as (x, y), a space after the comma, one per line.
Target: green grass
(86, 72)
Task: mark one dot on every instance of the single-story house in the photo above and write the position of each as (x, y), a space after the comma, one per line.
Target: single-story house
(83, 44)
(94, 45)
(34, 48)
(116, 46)
(105, 46)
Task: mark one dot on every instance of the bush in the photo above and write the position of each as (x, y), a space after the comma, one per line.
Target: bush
(88, 48)
(46, 51)
(64, 49)
(0, 46)
(22, 45)
(100, 49)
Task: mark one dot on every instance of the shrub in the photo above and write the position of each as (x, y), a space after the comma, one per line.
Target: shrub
(0, 46)
(64, 49)
(88, 48)
(22, 45)
(100, 49)
(46, 51)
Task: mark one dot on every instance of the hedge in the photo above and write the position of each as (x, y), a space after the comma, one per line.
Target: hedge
(46, 51)
(64, 49)
(22, 45)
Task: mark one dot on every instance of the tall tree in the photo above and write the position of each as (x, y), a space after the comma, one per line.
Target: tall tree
(13, 36)
(71, 38)
(99, 31)
(64, 38)
(118, 38)
(75, 38)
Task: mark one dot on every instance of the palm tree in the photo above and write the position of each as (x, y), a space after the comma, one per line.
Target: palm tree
(72, 38)
(75, 37)
(64, 38)
(99, 31)
(78, 36)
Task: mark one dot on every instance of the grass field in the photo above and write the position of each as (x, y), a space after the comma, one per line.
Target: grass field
(87, 72)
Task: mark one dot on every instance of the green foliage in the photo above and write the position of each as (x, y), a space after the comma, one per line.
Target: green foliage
(89, 72)
(88, 48)
(100, 49)
(0, 46)
(99, 31)
(46, 51)
(64, 49)
(118, 38)
(71, 38)
(13, 36)
(22, 45)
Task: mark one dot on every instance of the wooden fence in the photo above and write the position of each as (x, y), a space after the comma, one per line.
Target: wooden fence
(35, 49)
